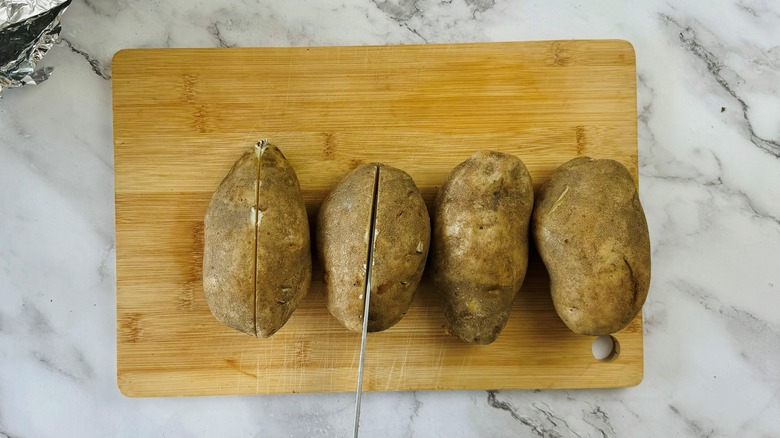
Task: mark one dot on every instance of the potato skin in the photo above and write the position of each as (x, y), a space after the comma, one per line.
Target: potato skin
(342, 240)
(480, 243)
(402, 228)
(403, 236)
(591, 233)
(257, 252)
(229, 247)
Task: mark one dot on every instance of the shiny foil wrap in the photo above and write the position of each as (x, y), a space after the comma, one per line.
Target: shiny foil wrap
(28, 29)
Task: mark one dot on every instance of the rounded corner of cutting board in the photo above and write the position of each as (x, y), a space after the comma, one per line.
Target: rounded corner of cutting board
(126, 387)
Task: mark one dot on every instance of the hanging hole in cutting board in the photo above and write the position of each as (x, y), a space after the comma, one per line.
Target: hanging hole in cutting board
(605, 348)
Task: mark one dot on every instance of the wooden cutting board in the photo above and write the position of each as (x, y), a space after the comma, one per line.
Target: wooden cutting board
(183, 116)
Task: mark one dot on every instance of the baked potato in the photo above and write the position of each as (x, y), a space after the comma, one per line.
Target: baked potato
(386, 200)
(591, 232)
(480, 243)
(257, 252)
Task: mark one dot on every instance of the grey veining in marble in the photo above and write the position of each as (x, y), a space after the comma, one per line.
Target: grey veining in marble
(709, 152)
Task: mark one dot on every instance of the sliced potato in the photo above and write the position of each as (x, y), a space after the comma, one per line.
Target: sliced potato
(257, 254)
(402, 228)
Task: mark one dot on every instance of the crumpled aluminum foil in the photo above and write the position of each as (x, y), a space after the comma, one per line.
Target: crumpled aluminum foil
(28, 29)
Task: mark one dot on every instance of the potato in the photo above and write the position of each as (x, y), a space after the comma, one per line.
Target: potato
(480, 243)
(591, 232)
(257, 254)
(342, 240)
(402, 235)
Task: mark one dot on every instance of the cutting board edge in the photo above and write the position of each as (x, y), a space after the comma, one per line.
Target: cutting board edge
(118, 59)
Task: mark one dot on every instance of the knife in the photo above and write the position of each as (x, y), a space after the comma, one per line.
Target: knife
(367, 294)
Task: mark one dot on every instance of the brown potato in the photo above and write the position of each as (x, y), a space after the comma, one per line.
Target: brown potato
(480, 243)
(402, 230)
(342, 240)
(591, 232)
(403, 237)
(257, 254)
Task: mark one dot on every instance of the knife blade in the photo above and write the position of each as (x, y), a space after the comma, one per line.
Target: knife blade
(367, 294)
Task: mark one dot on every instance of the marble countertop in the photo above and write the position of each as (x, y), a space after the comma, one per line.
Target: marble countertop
(709, 154)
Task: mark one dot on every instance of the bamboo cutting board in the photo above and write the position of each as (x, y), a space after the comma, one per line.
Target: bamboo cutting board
(182, 117)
